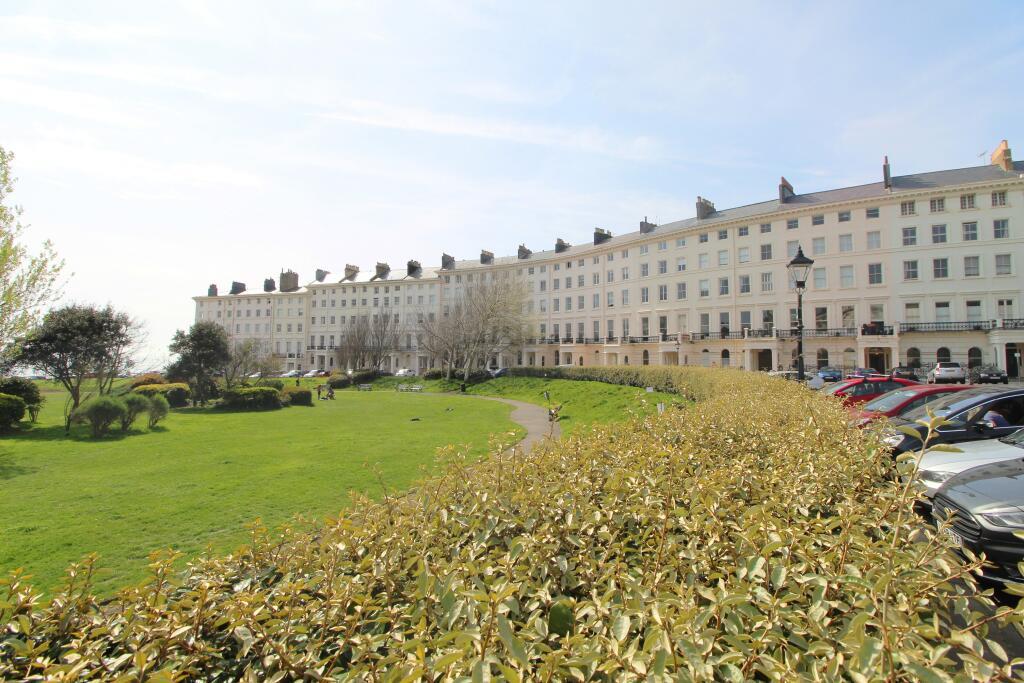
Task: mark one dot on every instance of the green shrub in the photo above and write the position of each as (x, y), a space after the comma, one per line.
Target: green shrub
(100, 413)
(270, 382)
(177, 394)
(158, 409)
(12, 409)
(147, 379)
(26, 389)
(364, 376)
(134, 405)
(251, 398)
(339, 381)
(298, 396)
(433, 374)
(754, 535)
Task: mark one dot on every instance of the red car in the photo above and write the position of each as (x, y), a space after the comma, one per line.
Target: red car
(862, 389)
(899, 401)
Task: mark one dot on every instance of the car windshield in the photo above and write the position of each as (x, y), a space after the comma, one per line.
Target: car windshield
(1015, 439)
(838, 387)
(950, 404)
(890, 400)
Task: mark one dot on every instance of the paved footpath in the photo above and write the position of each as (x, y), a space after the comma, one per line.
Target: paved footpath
(531, 417)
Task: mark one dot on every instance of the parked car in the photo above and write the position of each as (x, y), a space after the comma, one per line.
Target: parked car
(985, 510)
(862, 389)
(947, 372)
(861, 372)
(830, 374)
(899, 401)
(970, 414)
(404, 372)
(938, 467)
(291, 373)
(311, 373)
(498, 372)
(988, 374)
(904, 372)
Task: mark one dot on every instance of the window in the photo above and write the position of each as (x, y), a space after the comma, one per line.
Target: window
(680, 290)
(662, 292)
(912, 312)
(967, 201)
(645, 295)
(704, 288)
(580, 302)
(820, 278)
(876, 313)
(680, 264)
(909, 237)
(766, 252)
(723, 234)
(846, 242)
(568, 303)
(1000, 229)
(908, 208)
(937, 205)
(744, 284)
(970, 231)
(625, 273)
(818, 219)
(645, 270)
(723, 257)
(940, 268)
(1004, 307)
(596, 301)
(662, 267)
(743, 255)
(625, 254)
(702, 260)
(874, 240)
(766, 282)
(662, 246)
(999, 198)
(554, 304)
(791, 248)
(973, 311)
(821, 317)
(874, 273)
(766, 228)
(792, 224)
(942, 314)
(938, 234)
(743, 231)
(723, 286)
(818, 246)
(846, 276)
(973, 357)
(870, 213)
(681, 242)
(1003, 266)
(844, 216)
(914, 357)
(611, 299)
(609, 277)
(972, 266)
(702, 238)
(624, 297)
(608, 259)
(910, 270)
(643, 249)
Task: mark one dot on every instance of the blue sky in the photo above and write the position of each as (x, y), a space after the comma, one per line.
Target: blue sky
(165, 146)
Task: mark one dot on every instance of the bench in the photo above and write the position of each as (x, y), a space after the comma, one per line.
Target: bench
(416, 387)
(365, 387)
(408, 387)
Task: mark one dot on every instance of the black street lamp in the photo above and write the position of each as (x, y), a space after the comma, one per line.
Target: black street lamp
(799, 268)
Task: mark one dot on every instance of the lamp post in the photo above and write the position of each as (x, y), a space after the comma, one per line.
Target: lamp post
(799, 268)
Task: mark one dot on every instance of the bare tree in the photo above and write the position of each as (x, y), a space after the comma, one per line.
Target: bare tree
(383, 335)
(352, 349)
(441, 337)
(244, 358)
(125, 337)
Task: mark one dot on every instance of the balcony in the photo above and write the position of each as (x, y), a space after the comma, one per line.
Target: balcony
(819, 332)
(876, 330)
(963, 326)
(1012, 323)
(724, 333)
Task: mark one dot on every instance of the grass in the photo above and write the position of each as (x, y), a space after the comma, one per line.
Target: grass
(200, 477)
(583, 403)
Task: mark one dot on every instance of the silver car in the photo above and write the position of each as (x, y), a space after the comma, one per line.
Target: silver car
(938, 466)
(947, 372)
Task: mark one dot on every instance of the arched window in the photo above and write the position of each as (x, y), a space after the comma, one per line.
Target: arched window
(725, 358)
(705, 358)
(914, 357)
(822, 358)
(625, 360)
(942, 355)
(973, 357)
(645, 357)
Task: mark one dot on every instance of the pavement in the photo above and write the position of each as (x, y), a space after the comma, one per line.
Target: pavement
(531, 417)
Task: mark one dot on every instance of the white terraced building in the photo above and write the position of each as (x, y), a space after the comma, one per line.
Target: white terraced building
(912, 269)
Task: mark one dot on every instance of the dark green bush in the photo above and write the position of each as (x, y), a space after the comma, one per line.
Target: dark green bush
(364, 376)
(134, 405)
(339, 381)
(158, 409)
(100, 413)
(433, 374)
(177, 394)
(146, 379)
(251, 398)
(12, 409)
(298, 396)
(26, 389)
(270, 382)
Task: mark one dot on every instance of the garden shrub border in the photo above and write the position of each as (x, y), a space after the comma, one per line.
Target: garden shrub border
(176, 393)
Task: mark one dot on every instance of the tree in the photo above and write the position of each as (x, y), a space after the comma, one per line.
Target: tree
(124, 337)
(354, 344)
(201, 352)
(383, 334)
(77, 342)
(27, 281)
(244, 358)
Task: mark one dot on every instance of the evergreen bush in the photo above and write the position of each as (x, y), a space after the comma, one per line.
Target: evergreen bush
(158, 409)
(251, 398)
(134, 405)
(12, 410)
(298, 396)
(24, 388)
(146, 379)
(177, 393)
(100, 413)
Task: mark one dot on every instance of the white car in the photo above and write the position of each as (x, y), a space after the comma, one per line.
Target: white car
(405, 372)
(938, 466)
(291, 373)
(947, 372)
(311, 373)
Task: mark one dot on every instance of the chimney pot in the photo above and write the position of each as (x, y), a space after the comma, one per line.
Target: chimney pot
(321, 274)
(237, 287)
(211, 290)
(886, 174)
(561, 245)
(447, 262)
(1002, 157)
(704, 208)
(269, 285)
(289, 281)
(601, 236)
(486, 257)
(524, 253)
(646, 227)
(413, 269)
(785, 190)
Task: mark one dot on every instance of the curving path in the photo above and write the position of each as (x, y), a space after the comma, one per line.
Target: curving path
(531, 417)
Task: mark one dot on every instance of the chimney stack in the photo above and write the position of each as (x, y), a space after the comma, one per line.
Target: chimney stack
(269, 285)
(886, 175)
(486, 257)
(524, 253)
(321, 274)
(561, 245)
(211, 290)
(646, 227)
(237, 287)
(447, 262)
(350, 272)
(382, 271)
(601, 236)
(413, 269)
(1002, 157)
(704, 208)
(289, 281)
(785, 190)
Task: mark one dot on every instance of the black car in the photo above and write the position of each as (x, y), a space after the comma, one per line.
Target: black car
(985, 506)
(975, 413)
(904, 372)
(989, 374)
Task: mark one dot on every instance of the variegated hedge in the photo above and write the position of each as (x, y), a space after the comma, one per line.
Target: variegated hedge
(750, 536)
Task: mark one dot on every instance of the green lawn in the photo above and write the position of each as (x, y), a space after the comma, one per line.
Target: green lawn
(583, 403)
(204, 474)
